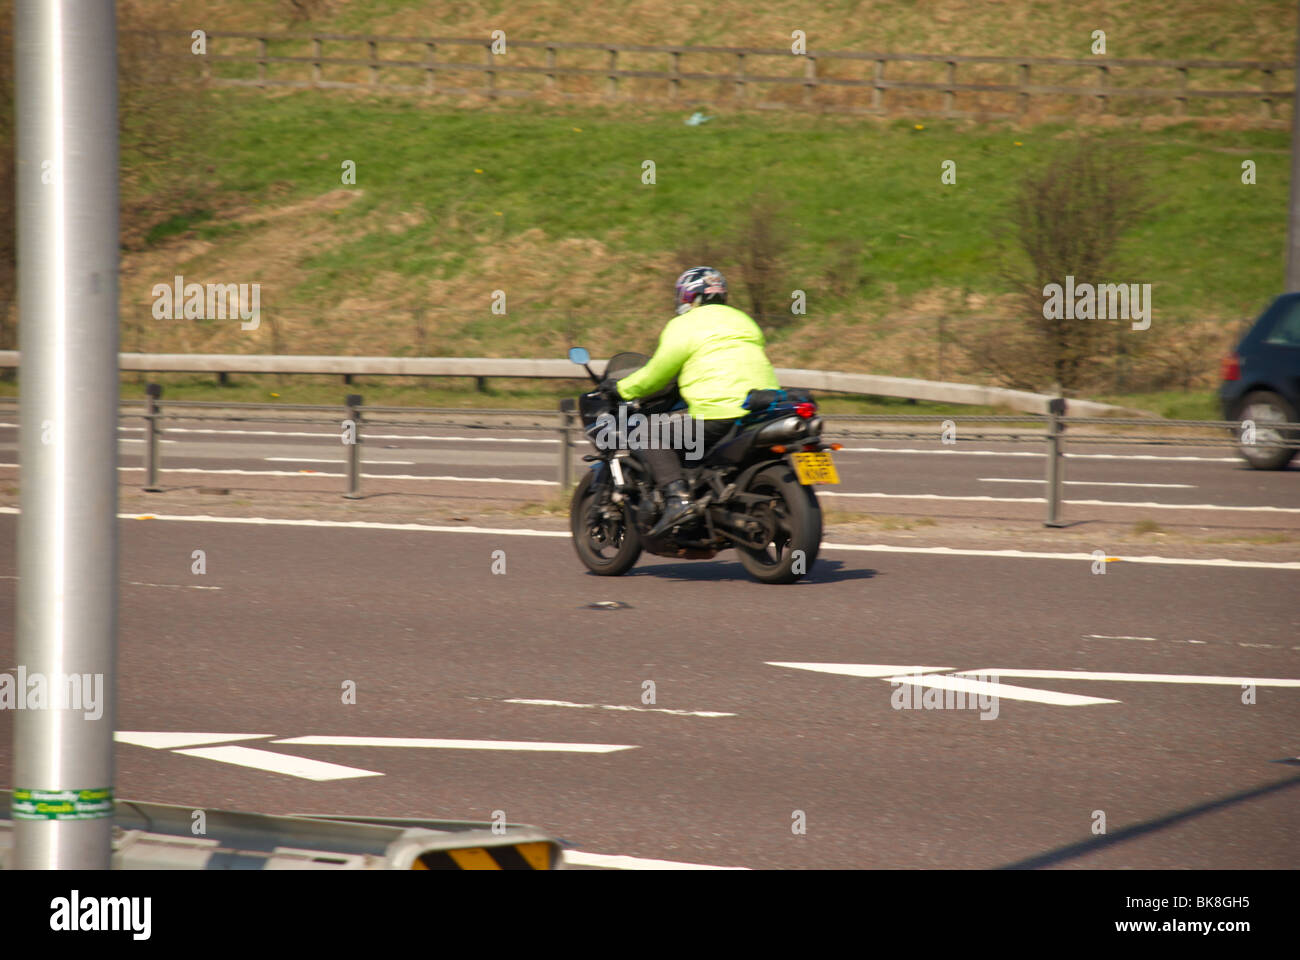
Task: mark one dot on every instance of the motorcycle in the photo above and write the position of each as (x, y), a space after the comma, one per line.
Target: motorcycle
(752, 490)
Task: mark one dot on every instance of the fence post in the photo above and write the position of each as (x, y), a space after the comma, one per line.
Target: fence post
(611, 82)
(354, 448)
(1103, 84)
(261, 61)
(675, 76)
(878, 92)
(809, 77)
(1055, 410)
(316, 59)
(740, 77)
(949, 94)
(152, 392)
(374, 62)
(566, 450)
(1022, 98)
(431, 51)
(491, 89)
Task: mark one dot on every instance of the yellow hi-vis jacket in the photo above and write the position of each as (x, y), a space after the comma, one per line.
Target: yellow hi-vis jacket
(716, 354)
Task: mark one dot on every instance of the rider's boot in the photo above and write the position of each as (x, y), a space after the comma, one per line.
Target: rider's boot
(677, 506)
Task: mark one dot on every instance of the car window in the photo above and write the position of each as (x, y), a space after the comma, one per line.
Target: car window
(1287, 328)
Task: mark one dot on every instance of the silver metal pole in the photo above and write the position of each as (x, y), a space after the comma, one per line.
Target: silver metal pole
(65, 66)
(354, 449)
(1293, 220)
(566, 452)
(1055, 410)
(152, 392)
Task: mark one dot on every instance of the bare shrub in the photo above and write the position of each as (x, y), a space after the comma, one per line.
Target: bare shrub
(1067, 219)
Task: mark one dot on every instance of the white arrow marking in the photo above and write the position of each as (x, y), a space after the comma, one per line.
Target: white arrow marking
(458, 744)
(1003, 691)
(578, 858)
(1137, 677)
(857, 669)
(168, 741)
(610, 706)
(280, 763)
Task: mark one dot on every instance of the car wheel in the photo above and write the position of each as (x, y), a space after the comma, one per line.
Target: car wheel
(1262, 408)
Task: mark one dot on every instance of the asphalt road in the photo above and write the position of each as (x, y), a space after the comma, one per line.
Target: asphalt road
(1185, 774)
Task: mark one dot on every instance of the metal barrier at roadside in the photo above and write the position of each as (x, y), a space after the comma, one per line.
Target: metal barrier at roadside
(1053, 430)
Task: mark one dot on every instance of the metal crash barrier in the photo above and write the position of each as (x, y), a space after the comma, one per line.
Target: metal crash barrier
(162, 836)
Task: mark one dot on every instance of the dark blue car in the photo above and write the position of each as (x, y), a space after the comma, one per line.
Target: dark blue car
(1261, 383)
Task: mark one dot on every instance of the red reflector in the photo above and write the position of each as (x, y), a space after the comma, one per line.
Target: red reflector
(1230, 367)
(837, 446)
(805, 410)
(778, 448)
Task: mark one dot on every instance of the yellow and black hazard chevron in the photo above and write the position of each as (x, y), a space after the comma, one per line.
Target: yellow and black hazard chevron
(534, 855)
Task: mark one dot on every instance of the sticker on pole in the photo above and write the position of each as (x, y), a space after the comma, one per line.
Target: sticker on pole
(62, 804)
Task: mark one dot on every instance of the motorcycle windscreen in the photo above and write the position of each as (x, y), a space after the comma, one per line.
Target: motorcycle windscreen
(627, 363)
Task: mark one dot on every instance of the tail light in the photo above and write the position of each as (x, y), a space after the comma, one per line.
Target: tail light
(1230, 367)
(805, 410)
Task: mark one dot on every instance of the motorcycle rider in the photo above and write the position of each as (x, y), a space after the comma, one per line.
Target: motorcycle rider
(716, 354)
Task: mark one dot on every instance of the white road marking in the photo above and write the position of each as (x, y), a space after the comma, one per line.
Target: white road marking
(175, 586)
(167, 740)
(564, 535)
(1137, 677)
(1003, 691)
(606, 706)
(137, 583)
(438, 744)
(1040, 555)
(405, 463)
(1145, 505)
(322, 473)
(1102, 636)
(856, 669)
(1092, 483)
(333, 436)
(1030, 453)
(279, 763)
(579, 858)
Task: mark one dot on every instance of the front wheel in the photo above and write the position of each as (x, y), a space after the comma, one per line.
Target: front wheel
(1264, 409)
(792, 526)
(603, 534)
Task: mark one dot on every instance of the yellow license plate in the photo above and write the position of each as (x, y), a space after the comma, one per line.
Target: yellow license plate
(813, 468)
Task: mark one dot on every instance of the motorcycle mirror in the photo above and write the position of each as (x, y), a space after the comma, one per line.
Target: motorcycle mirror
(579, 355)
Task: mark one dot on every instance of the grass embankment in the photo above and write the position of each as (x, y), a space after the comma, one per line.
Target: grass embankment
(451, 205)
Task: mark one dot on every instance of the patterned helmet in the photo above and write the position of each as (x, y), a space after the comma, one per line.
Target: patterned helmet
(700, 283)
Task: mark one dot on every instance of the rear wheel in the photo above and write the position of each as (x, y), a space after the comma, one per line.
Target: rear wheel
(606, 541)
(1262, 408)
(792, 526)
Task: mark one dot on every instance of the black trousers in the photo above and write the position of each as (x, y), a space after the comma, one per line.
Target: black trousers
(666, 465)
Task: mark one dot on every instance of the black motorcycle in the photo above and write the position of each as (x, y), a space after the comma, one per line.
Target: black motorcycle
(751, 490)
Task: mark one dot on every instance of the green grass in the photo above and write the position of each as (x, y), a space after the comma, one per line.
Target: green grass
(848, 184)
(1174, 405)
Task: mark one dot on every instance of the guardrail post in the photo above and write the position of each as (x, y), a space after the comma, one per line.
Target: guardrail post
(152, 392)
(354, 448)
(566, 449)
(1055, 410)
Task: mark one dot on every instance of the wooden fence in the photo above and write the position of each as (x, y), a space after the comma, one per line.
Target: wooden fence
(762, 78)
